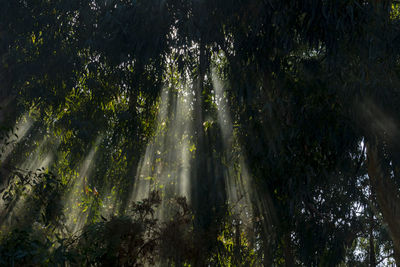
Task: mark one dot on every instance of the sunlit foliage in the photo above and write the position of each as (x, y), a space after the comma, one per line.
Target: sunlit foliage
(220, 133)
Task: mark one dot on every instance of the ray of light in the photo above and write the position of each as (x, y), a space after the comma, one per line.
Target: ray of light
(180, 145)
(18, 132)
(145, 174)
(74, 212)
(109, 203)
(238, 181)
(165, 166)
(36, 162)
(237, 185)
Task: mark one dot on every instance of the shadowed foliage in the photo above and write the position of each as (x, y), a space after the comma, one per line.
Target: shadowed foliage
(199, 133)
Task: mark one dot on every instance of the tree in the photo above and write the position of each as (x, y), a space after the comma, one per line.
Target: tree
(291, 113)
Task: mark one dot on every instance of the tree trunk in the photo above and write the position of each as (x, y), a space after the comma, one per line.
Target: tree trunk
(387, 196)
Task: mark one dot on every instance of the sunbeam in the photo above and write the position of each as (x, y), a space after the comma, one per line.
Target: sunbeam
(75, 209)
(199, 133)
(165, 165)
(242, 195)
(11, 139)
(38, 161)
(237, 179)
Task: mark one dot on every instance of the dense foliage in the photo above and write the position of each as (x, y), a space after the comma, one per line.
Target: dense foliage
(198, 132)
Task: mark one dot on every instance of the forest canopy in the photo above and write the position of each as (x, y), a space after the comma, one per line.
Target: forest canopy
(199, 133)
